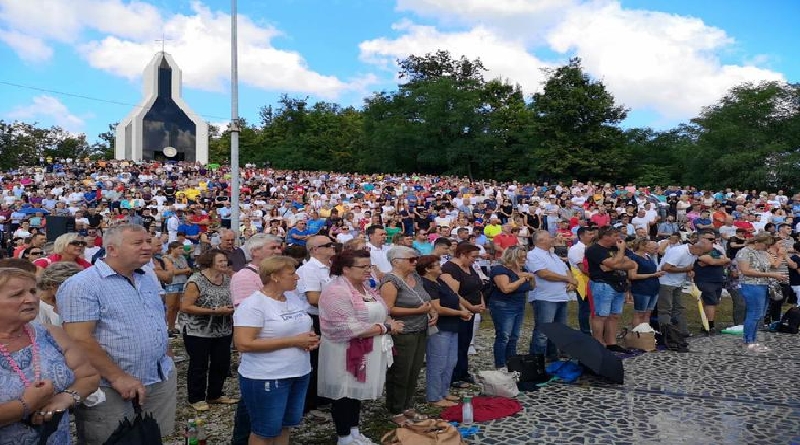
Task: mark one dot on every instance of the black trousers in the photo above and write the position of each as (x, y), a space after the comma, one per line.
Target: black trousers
(209, 366)
(461, 371)
(312, 400)
(346, 414)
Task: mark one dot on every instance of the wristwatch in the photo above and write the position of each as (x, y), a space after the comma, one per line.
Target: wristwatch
(75, 396)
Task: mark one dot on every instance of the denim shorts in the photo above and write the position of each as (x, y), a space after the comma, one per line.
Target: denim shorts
(274, 404)
(607, 301)
(644, 302)
(176, 288)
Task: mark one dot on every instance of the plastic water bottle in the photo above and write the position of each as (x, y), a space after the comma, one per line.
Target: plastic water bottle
(202, 438)
(191, 433)
(466, 412)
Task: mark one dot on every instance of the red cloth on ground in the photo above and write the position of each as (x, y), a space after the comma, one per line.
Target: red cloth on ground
(485, 408)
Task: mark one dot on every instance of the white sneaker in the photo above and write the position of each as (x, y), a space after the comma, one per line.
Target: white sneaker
(757, 348)
(361, 439)
(472, 351)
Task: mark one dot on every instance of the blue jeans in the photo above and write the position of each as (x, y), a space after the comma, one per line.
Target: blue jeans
(274, 404)
(546, 312)
(755, 300)
(507, 316)
(644, 302)
(442, 355)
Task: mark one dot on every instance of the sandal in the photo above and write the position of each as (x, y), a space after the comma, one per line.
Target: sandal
(452, 398)
(414, 416)
(460, 385)
(400, 420)
(443, 403)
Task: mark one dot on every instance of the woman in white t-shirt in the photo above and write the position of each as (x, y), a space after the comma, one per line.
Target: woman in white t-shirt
(274, 334)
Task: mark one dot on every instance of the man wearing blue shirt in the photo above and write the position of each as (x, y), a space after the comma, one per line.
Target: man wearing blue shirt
(114, 311)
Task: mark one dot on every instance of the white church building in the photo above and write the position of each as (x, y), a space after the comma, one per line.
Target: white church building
(162, 127)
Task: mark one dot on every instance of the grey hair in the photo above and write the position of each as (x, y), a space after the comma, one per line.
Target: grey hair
(61, 243)
(57, 273)
(538, 234)
(113, 236)
(400, 252)
(260, 240)
(225, 232)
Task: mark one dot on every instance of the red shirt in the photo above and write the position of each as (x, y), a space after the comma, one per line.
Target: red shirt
(50, 259)
(504, 241)
(601, 220)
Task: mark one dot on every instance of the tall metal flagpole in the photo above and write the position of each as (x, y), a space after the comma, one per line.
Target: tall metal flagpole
(234, 125)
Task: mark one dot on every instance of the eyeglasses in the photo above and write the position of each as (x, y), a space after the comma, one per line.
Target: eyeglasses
(38, 253)
(78, 243)
(412, 259)
(363, 267)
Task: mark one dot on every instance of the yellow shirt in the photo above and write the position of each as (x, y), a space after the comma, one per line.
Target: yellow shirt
(492, 230)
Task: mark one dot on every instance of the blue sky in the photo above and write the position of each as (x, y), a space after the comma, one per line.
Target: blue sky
(664, 59)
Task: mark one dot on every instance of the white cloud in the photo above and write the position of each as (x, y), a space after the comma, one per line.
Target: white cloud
(666, 63)
(30, 49)
(502, 57)
(48, 110)
(199, 42)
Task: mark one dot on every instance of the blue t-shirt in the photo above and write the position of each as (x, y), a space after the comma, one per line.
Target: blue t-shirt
(518, 295)
(291, 237)
(190, 230)
(644, 265)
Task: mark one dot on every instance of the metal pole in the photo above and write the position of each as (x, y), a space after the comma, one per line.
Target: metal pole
(234, 125)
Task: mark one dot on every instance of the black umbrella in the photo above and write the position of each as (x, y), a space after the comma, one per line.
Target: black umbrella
(590, 352)
(143, 430)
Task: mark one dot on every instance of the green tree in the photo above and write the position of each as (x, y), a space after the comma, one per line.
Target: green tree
(749, 138)
(574, 131)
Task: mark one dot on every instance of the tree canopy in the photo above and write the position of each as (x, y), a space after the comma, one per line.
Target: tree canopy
(446, 117)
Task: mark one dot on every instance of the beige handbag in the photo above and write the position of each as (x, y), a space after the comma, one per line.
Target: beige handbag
(424, 432)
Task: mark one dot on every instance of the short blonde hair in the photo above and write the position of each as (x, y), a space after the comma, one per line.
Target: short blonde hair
(61, 243)
(9, 273)
(511, 255)
(274, 264)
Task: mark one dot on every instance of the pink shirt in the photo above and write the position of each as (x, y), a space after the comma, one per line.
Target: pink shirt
(244, 283)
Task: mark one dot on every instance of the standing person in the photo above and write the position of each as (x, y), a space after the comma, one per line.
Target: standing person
(677, 262)
(272, 331)
(756, 269)
(608, 282)
(465, 281)
(575, 256)
(405, 296)
(709, 277)
(355, 327)
(207, 328)
(314, 274)
(67, 247)
(511, 283)
(549, 298)
(243, 284)
(101, 307)
(644, 279)
(173, 291)
(42, 370)
(376, 244)
(442, 349)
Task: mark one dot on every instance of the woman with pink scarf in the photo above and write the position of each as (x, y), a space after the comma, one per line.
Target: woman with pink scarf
(356, 346)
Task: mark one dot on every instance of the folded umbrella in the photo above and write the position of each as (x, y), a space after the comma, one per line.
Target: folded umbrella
(590, 352)
(695, 293)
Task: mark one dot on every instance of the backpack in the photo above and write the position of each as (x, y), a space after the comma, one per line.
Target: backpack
(790, 322)
(672, 338)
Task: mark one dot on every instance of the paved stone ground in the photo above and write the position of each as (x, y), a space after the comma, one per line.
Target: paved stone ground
(716, 394)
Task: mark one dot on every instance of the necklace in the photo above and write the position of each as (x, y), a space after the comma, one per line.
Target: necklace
(37, 370)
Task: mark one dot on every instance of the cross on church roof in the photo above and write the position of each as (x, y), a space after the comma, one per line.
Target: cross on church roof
(163, 41)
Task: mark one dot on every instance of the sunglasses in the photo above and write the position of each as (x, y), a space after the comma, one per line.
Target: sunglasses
(325, 245)
(412, 259)
(366, 266)
(36, 253)
(78, 243)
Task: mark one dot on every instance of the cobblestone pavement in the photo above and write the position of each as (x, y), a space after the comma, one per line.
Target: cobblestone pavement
(715, 394)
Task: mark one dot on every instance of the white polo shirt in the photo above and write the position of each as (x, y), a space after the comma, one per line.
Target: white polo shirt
(313, 276)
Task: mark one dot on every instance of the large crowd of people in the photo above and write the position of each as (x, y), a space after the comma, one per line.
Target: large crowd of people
(334, 288)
